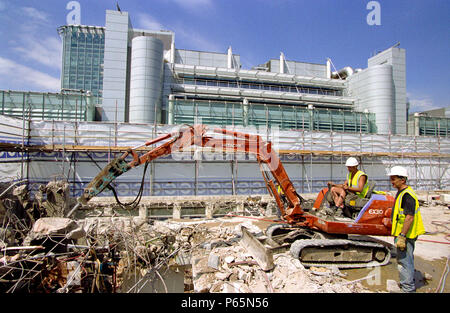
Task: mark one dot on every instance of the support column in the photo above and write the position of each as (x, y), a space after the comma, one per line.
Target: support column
(282, 59)
(230, 58)
(176, 213)
(245, 112)
(416, 124)
(143, 212)
(171, 117)
(311, 116)
(209, 210)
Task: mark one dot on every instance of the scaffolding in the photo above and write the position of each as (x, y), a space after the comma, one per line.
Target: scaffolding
(39, 151)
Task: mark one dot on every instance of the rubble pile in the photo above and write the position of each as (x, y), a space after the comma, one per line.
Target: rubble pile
(222, 265)
(43, 252)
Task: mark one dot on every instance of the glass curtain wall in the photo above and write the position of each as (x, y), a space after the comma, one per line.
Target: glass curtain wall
(83, 55)
(434, 126)
(47, 106)
(286, 117)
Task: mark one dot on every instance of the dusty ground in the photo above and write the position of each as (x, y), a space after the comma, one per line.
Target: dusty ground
(432, 251)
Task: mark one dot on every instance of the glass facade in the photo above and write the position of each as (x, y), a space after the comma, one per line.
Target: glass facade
(47, 106)
(434, 126)
(82, 59)
(285, 117)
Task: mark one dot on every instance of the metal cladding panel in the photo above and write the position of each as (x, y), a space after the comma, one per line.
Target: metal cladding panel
(146, 78)
(374, 90)
(115, 65)
(396, 57)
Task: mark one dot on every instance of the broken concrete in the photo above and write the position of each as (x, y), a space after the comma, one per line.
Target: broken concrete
(129, 248)
(56, 227)
(258, 251)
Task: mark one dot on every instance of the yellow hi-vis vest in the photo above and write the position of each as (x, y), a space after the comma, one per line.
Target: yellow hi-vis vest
(398, 218)
(353, 183)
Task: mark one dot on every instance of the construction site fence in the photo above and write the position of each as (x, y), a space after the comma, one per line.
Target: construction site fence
(41, 151)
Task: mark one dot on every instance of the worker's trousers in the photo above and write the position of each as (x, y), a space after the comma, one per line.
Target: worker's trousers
(405, 261)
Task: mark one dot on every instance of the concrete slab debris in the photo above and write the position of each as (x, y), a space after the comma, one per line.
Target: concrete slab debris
(259, 252)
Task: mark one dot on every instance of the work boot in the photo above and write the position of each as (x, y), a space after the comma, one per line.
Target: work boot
(325, 212)
(339, 213)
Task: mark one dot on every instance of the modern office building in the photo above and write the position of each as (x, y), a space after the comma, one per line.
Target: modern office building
(139, 76)
(146, 79)
(430, 123)
(317, 115)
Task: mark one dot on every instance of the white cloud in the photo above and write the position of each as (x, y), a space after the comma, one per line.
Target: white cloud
(185, 35)
(46, 51)
(148, 22)
(193, 3)
(35, 14)
(31, 44)
(13, 73)
(419, 103)
(197, 41)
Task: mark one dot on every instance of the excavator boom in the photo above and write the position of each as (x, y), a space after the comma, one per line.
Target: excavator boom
(375, 221)
(374, 218)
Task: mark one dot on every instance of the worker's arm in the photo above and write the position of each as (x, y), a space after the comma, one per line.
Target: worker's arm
(331, 184)
(409, 219)
(361, 183)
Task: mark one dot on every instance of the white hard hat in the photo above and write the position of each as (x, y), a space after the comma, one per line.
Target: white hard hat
(398, 171)
(351, 162)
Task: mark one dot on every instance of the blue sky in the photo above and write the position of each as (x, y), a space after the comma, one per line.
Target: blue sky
(257, 30)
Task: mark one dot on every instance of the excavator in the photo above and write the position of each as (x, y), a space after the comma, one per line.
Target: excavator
(313, 239)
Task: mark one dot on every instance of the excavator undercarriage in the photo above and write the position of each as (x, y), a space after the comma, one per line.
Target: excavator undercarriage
(315, 248)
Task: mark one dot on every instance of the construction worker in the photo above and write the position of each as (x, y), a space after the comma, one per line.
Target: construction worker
(406, 226)
(356, 186)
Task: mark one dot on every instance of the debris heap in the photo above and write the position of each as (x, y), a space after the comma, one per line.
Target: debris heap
(222, 265)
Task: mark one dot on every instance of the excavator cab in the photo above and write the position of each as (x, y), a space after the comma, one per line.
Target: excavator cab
(352, 206)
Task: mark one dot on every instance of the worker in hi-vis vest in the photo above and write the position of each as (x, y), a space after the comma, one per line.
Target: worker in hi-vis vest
(406, 226)
(356, 186)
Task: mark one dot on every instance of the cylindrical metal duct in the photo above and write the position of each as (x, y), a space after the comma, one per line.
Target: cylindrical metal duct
(342, 73)
(380, 97)
(146, 79)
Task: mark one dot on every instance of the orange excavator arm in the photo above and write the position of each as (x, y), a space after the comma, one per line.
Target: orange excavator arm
(373, 222)
(271, 167)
